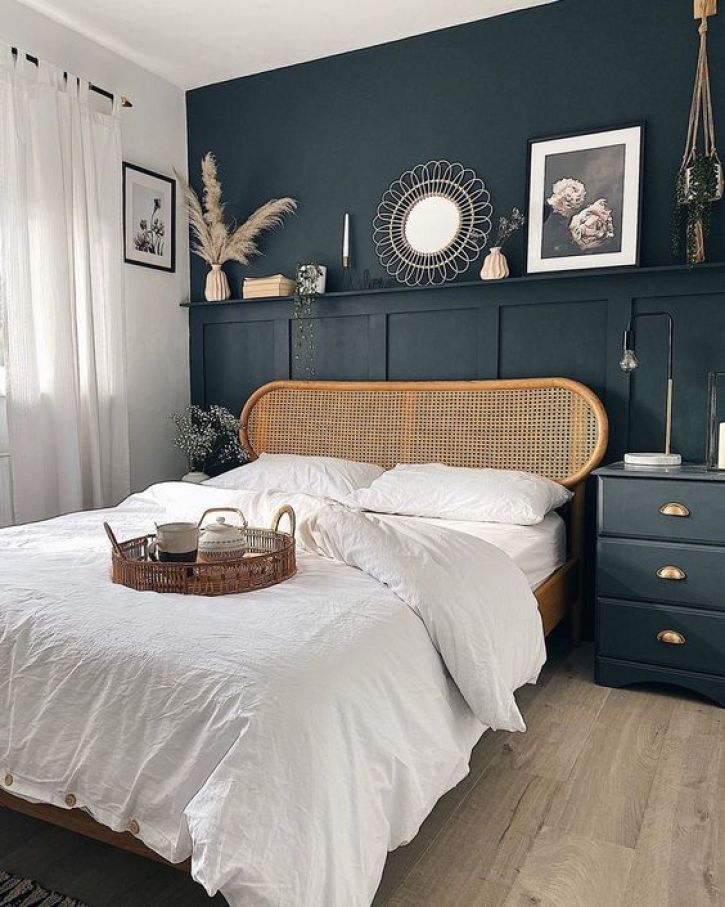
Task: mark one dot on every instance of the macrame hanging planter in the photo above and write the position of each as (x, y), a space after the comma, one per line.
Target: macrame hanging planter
(700, 178)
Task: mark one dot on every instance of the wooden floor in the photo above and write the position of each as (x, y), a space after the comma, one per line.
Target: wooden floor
(612, 797)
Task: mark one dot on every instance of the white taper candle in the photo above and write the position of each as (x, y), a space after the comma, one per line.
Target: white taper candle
(721, 447)
(346, 240)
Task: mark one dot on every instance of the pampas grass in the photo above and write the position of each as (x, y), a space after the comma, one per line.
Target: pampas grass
(216, 241)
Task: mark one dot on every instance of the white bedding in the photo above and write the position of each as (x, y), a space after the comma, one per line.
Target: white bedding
(285, 740)
(538, 550)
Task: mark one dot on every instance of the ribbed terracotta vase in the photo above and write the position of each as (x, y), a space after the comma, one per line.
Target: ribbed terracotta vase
(217, 285)
(495, 266)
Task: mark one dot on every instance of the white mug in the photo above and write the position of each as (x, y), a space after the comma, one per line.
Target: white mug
(177, 541)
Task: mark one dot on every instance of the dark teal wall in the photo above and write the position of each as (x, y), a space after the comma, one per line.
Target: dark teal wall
(334, 133)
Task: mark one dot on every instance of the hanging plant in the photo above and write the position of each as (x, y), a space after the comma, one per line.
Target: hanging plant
(309, 279)
(695, 191)
(700, 177)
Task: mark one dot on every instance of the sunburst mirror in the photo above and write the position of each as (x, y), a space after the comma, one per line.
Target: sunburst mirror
(432, 223)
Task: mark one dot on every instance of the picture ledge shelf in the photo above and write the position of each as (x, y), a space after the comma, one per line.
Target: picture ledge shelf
(603, 274)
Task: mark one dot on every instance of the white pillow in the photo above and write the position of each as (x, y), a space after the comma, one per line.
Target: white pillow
(457, 493)
(325, 477)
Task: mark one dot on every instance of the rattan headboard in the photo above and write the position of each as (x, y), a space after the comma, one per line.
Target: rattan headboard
(550, 426)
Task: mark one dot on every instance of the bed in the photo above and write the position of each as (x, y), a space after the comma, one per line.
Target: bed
(180, 767)
(554, 427)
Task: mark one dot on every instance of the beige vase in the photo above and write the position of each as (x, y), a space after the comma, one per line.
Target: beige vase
(495, 266)
(217, 285)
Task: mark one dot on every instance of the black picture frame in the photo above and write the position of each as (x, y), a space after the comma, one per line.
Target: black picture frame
(166, 185)
(629, 256)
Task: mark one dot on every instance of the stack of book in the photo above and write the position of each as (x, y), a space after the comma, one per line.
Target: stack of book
(267, 287)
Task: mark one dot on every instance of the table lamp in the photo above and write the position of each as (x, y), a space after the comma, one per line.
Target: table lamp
(629, 363)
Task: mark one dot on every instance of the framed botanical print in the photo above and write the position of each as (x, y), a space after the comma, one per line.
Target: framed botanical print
(585, 200)
(149, 218)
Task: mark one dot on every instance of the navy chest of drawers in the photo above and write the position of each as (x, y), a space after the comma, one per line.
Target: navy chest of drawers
(660, 612)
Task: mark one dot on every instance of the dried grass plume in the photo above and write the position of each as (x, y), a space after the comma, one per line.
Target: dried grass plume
(213, 239)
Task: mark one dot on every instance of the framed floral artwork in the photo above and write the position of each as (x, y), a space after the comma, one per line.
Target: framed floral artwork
(584, 200)
(149, 218)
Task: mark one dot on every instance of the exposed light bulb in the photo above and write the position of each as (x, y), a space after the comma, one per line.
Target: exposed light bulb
(629, 361)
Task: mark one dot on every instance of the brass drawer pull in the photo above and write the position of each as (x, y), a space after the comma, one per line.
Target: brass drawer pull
(671, 638)
(671, 572)
(674, 509)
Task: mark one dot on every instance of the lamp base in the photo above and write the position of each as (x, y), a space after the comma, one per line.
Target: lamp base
(653, 459)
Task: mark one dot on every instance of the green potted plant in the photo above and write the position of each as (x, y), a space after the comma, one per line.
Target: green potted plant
(698, 185)
(209, 439)
(700, 177)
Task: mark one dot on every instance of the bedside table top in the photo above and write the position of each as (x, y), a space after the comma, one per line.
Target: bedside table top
(692, 471)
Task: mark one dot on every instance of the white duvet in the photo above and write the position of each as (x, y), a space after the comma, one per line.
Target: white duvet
(284, 739)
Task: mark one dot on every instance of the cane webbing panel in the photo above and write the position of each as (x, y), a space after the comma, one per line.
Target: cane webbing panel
(553, 427)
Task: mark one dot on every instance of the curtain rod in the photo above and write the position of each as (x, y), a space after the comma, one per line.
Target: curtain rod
(102, 91)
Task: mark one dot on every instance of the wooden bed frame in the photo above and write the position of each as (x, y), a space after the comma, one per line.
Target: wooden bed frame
(550, 426)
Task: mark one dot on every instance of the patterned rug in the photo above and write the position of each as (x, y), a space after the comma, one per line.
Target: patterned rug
(15, 892)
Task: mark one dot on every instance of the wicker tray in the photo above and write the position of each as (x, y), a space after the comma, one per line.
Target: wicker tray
(269, 559)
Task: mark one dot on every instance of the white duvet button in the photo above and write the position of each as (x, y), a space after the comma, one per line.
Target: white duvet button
(70, 800)
(133, 827)
(8, 780)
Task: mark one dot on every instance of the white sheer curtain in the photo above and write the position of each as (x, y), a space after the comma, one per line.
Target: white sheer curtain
(61, 289)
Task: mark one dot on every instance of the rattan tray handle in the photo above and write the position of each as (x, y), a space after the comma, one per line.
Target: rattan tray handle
(114, 541)
(285, 509)
(223, 510)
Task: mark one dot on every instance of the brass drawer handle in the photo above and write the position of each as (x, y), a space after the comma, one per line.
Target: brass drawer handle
(671, 572)
(674, 509)
(671, 638)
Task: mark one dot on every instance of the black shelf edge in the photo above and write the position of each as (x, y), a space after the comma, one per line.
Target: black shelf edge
(484, 284)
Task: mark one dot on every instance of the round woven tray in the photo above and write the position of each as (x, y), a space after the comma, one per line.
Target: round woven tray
(269, 558)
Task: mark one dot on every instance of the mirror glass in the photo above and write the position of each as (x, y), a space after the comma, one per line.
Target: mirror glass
(432, 224)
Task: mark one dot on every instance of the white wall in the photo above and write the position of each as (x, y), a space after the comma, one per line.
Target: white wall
(154, 136)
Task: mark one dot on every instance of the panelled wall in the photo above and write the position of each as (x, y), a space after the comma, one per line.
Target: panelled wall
(333, 133)
(566, 326)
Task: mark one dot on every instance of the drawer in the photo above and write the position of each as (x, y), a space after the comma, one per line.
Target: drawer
(629, 630)
(632, 507)
(627, 568)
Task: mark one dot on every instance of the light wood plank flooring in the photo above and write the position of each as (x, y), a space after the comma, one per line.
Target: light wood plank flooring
(612, 797)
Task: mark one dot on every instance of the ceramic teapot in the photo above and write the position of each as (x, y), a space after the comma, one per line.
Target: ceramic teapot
(221, 541)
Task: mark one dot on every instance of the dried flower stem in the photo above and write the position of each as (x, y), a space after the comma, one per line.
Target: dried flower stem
(507, 226)
(216, 241)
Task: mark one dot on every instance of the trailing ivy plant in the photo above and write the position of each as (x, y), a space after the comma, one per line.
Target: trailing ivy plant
(695, 192)
(305, 291)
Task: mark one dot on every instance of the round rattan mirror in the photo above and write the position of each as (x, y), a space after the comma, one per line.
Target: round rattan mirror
(432, 223)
